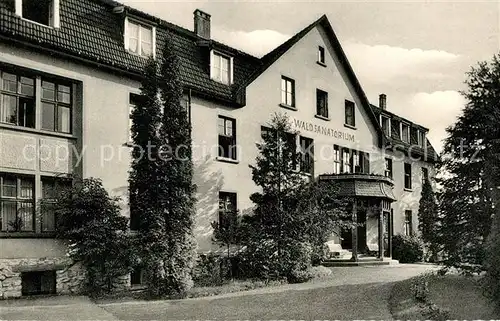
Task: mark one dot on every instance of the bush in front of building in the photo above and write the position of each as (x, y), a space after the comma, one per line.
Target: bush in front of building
(407, 249)
(90, 220)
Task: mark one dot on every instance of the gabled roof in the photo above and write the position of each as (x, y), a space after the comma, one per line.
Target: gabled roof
(274, 55)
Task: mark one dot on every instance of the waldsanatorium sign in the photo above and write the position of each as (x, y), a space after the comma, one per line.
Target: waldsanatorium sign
(310, 127)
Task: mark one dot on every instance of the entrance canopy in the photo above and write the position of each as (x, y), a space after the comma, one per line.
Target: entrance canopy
(362, 185)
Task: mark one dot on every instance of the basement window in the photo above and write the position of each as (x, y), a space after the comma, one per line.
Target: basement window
(39, 282)
(45, 12)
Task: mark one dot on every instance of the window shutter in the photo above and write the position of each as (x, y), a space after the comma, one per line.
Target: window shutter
(211, 64)
(56, 22)
(19, 8)
(125, 33)
(231, 66)
(153, 42)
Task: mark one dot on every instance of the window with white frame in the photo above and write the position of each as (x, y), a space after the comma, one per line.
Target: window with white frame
(421, 138)
(287, 91)
(140, 38)
(56, 106)
(45, 12)
(337, 162)
(17, 203)
(221, 68)
(385, 123)
(405, 132)
(346, 161)
(52, 187)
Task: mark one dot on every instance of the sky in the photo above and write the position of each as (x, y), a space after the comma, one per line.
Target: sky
(416, 52)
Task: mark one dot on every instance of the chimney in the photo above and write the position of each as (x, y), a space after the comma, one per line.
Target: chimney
(382, 101)
(202, 24)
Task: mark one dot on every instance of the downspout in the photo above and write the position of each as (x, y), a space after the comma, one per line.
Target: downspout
(189, 106)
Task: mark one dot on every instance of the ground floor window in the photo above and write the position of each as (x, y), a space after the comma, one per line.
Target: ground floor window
(137, 277)
(39, 282)
(51, 188)
(408, 223)
(227, 208)
(17, 203)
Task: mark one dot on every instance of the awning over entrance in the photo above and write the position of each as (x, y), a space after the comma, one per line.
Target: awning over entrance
(362, 185)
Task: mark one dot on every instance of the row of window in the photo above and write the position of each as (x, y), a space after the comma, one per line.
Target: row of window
(348, 161)
(407, 173)
(288, 100)
(402, 130)
(20, 94)
(17, 202)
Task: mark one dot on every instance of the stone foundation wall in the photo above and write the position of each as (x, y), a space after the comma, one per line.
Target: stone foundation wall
(69, 276)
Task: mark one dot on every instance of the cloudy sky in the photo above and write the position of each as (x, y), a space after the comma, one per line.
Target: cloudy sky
(415, 52)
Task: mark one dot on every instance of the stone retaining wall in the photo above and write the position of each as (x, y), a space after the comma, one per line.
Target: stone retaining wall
(69, 276)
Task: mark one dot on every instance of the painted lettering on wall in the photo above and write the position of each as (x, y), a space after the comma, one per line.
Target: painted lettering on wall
(310, 127)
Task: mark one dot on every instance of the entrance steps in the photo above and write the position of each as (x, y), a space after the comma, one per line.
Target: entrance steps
(362, 261)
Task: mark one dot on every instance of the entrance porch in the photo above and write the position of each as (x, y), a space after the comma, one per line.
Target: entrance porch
(371, 239)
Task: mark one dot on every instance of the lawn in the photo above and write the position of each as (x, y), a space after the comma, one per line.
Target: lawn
(461, 296)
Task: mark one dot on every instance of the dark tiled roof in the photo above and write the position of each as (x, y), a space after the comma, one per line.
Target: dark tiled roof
(91, 31)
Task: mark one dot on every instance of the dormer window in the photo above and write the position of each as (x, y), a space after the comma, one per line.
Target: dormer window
(139, 38)
(45, 12)
(421, 138)
(221, 68)
(405, 132)
(385, 122)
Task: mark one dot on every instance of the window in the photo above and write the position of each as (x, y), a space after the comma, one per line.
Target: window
(321, 55)
(56, 106)
(133, 100)
(287, 91)
(349, 114)
(388, 167)
(45, 12)
(39, 282)
(408, 223)
(51, 188)
(227, 208)
(425, 174)
(346, 161)
(227, 137)
(139, 38)
(385, 122)
(407, 176)
(17, 199)
(137, 276)
(421, 138)
(405, 132)
(337, 162)
(321, 103)
(221, 68)
(17, 103)
(306, 155)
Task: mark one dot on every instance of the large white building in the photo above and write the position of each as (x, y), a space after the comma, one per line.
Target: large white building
(71, 69)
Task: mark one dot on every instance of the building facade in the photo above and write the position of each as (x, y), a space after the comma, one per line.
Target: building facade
(70, 71)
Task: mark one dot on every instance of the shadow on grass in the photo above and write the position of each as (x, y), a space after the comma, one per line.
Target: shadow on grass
(461, 295)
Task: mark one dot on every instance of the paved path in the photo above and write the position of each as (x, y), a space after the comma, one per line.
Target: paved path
(53, 308)
(351, 293)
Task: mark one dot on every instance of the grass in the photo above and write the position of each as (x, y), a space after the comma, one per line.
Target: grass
(461, 296)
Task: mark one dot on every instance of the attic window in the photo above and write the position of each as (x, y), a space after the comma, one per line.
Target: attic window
(140, 38)
(45, 12)
(221, 68)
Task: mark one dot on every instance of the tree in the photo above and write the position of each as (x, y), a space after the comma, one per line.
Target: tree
(428, 219)
(176, 181)
(471, 171)
(161, 189)
(91, 222)
(293, 216)
(145, 190)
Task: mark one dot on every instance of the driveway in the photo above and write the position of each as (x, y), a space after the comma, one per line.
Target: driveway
(351, 293)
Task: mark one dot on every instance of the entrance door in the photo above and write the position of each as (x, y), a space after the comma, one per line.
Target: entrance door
(388, 231)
